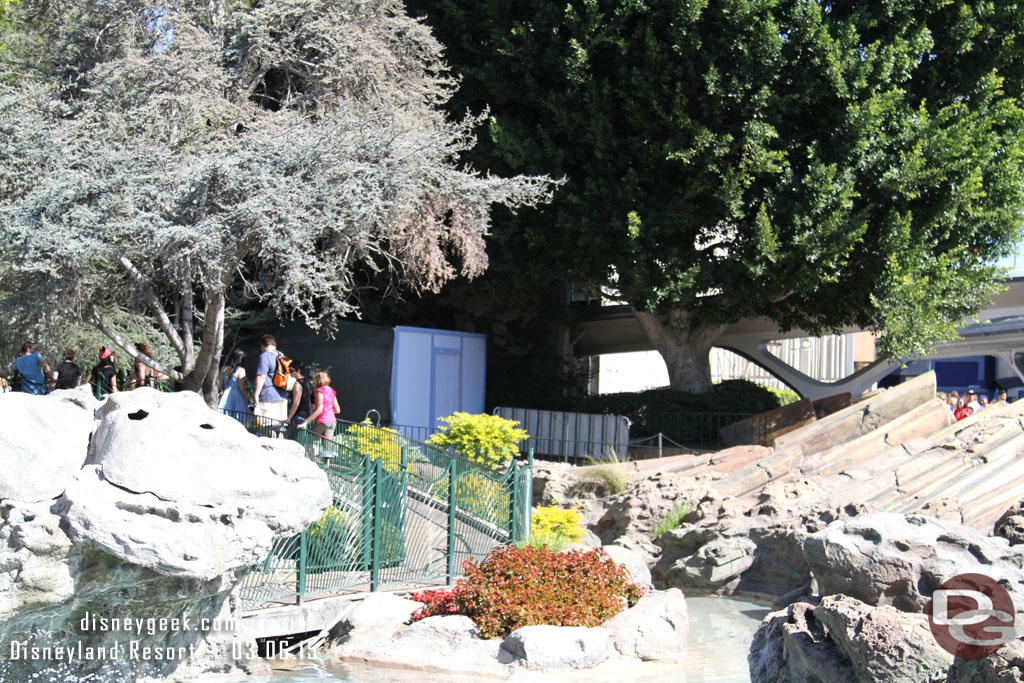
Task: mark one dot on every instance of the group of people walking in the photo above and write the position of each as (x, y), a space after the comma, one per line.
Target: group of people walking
(32, 374)
(283, 394)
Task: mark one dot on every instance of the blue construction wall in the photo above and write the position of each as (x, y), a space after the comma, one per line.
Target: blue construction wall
(435, 373)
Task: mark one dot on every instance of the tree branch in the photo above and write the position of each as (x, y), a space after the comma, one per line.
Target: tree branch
(158, 309)
(130, 349)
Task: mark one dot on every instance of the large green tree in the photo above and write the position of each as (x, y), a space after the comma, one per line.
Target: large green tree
(162, 162)
(819, 163)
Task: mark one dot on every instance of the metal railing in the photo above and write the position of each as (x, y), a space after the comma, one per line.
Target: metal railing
(678, 433)
(402, 512)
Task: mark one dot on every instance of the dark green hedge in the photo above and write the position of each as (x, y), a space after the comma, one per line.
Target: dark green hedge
(690, 419)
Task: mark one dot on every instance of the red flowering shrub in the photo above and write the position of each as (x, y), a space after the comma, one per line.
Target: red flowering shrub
(515, 587)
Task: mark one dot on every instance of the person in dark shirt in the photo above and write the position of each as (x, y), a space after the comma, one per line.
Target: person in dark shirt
(67, 375)
(301, 393)
(104, 376)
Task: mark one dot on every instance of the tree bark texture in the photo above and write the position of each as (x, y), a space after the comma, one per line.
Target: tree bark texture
(685, 344)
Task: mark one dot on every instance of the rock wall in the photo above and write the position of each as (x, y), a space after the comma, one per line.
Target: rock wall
(148, 507)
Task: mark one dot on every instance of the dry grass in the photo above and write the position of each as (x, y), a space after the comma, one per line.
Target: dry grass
(608, 470)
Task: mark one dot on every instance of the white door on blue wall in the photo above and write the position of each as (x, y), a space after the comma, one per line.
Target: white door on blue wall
(447, 382)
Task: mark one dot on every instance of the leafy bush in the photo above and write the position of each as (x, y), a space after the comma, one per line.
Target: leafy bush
(478, 494)
(335, 542)
(785, 396)
(554, 527)
(553, 521)
(487, 439)
(673, 518)
(516, 587)
(380, 443)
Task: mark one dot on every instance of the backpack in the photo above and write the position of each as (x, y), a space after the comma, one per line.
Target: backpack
(283, 371)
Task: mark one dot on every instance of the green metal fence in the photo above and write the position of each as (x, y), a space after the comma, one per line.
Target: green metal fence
(402, 512)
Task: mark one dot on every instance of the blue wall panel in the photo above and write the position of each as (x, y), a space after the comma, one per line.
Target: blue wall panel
(435, 373)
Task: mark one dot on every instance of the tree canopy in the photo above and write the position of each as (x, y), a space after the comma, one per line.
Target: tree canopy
(162, 162)
(822, 164)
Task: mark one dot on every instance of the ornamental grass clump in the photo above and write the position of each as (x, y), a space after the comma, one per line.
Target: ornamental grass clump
(516, 587)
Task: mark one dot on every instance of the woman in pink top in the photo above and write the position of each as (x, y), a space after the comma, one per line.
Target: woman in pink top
(326, 406)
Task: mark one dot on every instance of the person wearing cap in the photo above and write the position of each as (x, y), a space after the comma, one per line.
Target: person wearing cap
(103, 377)
(972, 401)
(32, 369)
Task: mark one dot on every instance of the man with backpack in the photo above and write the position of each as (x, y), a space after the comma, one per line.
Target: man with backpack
(272, 372)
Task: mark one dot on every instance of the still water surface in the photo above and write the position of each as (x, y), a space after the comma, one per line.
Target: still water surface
(720, 633)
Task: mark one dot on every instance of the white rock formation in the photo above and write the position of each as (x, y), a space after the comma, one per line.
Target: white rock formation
(160, 517)
(43, 443)
(655, 629)
(559, 648)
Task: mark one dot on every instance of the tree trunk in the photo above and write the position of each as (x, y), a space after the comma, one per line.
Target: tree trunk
(203, 378)
(685, 344)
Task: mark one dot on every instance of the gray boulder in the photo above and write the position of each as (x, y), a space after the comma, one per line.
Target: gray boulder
(1006, 665)
(1011, 525)
(655, 629)
(175, 487)
(374, 620)
(891, 559)
(715, 564)
(43, 444)
(632, 561)
(34, 569)
(449, 643)
(134, 452)
(752, 547)
(844, 640)
(558, 648)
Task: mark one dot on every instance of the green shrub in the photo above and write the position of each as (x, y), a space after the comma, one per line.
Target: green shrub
(478, 494)
(487, 439)
(785, 396)
(673, 518)
(336, 542)
(516, 587)
(555, 544)
(553, 521)
(380, 443)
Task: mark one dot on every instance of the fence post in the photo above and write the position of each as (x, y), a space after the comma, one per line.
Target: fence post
(451, 522)
(367, 516)
(377, 526)
(528, 496)
(301, 578)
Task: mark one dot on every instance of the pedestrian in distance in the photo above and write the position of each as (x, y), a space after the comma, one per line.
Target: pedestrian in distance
(31, 369)
(67, 375)
(103, 376)
(324, 415)
(301, 394)
(234, 396)
(271, 396)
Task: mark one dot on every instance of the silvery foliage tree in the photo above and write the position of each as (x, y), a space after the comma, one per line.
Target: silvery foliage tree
(169, 158)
